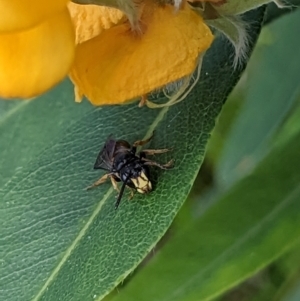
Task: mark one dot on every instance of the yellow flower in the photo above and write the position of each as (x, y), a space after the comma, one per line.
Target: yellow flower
(36, 46)
(23, 14)
(118, 65)
(113, 63)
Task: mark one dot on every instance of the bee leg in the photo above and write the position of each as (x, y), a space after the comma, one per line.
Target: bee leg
(142, 142)
(168, 165)
(151, 152)
(114, 183)
(99, 182)
(131, 193)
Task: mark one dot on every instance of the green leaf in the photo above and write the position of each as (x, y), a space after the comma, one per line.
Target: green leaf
(61, 242)
(7, 108)
(267, 103)
(29, 127)
(290, 128)
(273, 11)
(256, 222)
(237, 7)
(294, 294)
(287, 272)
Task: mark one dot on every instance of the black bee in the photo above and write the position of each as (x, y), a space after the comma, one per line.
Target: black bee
(124, 164)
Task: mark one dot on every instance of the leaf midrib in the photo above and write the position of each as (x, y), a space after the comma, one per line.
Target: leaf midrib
(14, 110)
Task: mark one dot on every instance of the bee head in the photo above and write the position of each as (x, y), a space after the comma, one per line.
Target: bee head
(142, 183)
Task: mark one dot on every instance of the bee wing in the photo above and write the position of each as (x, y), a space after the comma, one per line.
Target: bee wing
(105, 157)
(121, 146)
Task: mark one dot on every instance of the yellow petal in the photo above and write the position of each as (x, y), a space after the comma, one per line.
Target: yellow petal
(90, 20)
(118, 65)
(33, 61)
(22, 14)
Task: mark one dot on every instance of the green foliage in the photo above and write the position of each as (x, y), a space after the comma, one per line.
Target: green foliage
(61, 242)
(253, 225)
(266, 91)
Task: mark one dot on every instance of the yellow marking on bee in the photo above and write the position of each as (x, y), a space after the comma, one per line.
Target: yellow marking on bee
(142, 183)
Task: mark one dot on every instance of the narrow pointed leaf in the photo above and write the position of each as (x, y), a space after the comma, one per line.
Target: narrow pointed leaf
(267, 103)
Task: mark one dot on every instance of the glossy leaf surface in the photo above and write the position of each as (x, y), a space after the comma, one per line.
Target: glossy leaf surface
(256, 222)
(61, 242)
